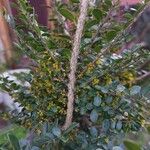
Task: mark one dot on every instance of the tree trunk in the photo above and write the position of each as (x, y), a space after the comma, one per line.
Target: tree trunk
(5, 34)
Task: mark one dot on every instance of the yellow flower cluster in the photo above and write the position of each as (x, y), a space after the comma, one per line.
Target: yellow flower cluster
(127, 77)
(95, 81)
(90, 68)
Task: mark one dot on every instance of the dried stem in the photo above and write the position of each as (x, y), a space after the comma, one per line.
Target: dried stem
(73, 63)
(146, 75)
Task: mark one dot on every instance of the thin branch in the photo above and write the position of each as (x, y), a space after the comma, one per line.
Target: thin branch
(144, 65)
(73, 63)
(112, 42)
(142, 77)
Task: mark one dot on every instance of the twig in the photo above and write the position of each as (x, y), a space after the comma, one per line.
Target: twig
(73, 63)
(146, 75)
(145, 64)
(112, 42)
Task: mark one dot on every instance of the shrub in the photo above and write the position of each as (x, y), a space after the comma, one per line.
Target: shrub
(107, 100)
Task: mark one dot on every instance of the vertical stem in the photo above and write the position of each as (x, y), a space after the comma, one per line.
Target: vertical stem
(73, 62)
(50, 5)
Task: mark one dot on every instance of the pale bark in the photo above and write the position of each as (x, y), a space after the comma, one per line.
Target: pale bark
(50, 5)
(73, 63)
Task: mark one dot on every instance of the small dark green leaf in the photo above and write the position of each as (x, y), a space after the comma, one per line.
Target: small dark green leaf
(89, 106)
(90, 23)
(135, 90)
(128, 16)
(93, 132)
(97, 101)
(106, 125)
(56, 131)
(113, 124)
(120, 88)
(110, 35)
(67, 14)
(97, 13)
(109, 99)
(104, 90)
(94, 116)
(119, 125)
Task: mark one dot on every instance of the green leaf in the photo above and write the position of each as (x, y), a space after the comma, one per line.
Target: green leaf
(104, 90)
(113, 124)
(56, 131)
(109, 99)
(135, 90)
(67, 14)
(75, 1)
(90, 23)
(119, 125)
(106, 125)
(128, 16)
(94, 115)
(130, 145)
(89, 106)
(120, 88)
(14, 141)
(97, 13)
(97, 101)
(93, 132)
(110, 35)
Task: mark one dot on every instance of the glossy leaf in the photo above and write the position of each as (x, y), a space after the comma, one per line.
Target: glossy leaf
(56, 131)
(120, 88)
(93, 132)
(94, 116)
(97, 101)
(106, 125)
(135, 90)
(119, 125)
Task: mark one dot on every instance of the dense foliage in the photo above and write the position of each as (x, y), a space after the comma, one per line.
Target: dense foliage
(108, 102)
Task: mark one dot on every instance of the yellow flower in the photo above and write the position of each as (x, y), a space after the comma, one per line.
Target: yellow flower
(90, 68)
(56, 66)
(40, 113)
(98, 62)
(143, 123)
(95, 81)
(108, 79)
(127, 77)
